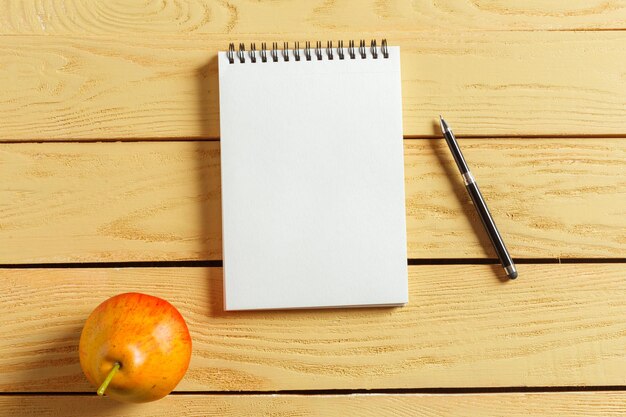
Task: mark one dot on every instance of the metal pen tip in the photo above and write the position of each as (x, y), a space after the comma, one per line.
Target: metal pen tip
(511, 271)
(444, 126)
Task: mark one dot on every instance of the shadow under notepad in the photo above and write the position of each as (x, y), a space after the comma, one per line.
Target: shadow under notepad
(207, 154)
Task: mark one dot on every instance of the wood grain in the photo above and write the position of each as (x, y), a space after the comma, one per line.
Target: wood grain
(485, 83)
(62, 17)
(578, 404)
(100, 202)
(557, 325)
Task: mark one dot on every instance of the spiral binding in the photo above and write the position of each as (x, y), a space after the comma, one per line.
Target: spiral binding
(319, 51)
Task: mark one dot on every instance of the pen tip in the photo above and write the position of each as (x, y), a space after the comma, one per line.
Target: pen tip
(511, 271)
(443, 124)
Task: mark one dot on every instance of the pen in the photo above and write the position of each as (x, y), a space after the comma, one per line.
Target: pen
(479, 202)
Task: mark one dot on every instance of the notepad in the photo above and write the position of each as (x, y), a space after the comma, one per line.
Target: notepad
(312, 175)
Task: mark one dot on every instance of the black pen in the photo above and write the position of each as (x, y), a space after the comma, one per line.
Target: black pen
(479, 202)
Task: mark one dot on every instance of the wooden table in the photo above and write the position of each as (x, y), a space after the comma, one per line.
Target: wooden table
(109, 165)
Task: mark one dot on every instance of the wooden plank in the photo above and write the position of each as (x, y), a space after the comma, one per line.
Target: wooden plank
(244, 17)
(557, 325)
(99, 202)
(485, 83)
(606, 404)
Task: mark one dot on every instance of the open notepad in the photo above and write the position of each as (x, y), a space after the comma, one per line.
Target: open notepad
(312, 178)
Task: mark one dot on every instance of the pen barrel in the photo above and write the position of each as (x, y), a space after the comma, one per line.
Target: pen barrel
(456, 152)
(489, 224)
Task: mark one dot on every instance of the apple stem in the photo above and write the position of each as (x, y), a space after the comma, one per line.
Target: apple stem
(108, 379)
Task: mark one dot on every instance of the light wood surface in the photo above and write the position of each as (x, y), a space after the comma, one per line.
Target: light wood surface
(577, 404)
(107, 202)
(541, 83)
(557, 325)
(485, 83)
(61, 17)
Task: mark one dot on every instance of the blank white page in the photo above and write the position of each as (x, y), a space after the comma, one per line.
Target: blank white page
(312, 182)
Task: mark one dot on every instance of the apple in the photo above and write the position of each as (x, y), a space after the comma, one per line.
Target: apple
(136, 347)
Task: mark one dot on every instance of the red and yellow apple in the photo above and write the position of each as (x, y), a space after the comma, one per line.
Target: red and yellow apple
(136, 347)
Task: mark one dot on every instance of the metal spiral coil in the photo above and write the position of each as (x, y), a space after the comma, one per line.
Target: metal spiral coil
(350, 50)
(373, 50)
(253, 53)
(319, 52)
(296, 51)
(242, 53)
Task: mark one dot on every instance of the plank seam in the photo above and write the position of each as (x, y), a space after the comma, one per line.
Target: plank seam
(302, 35)
(385, 391)
(217, 139)
(219, 263)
